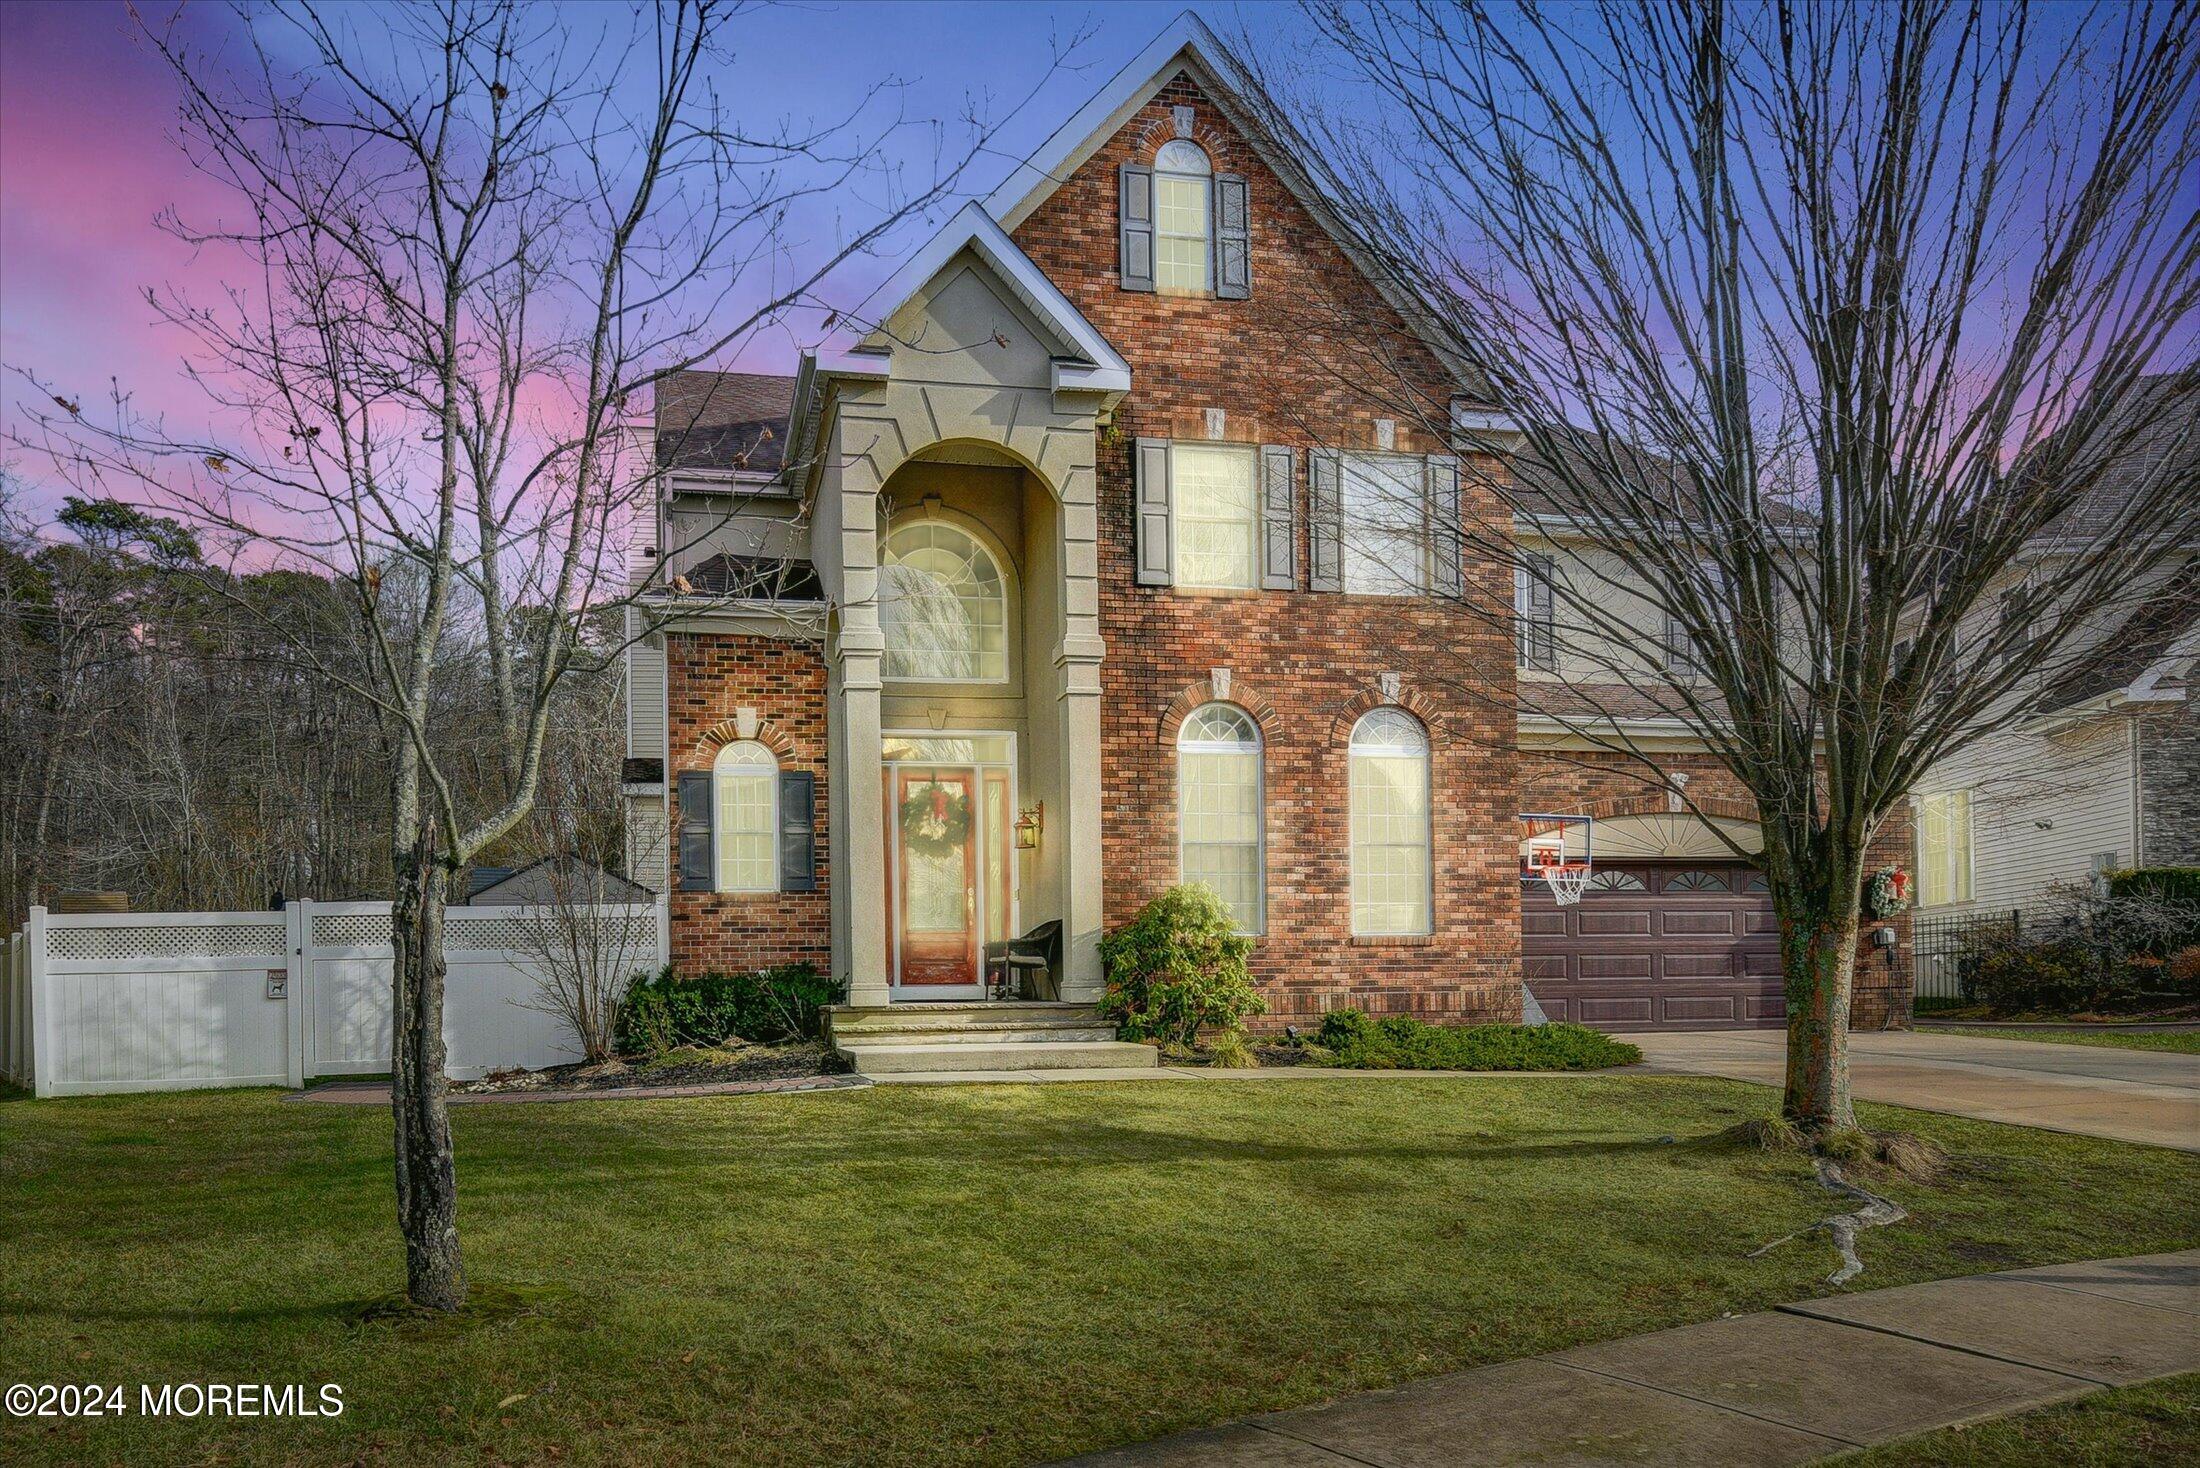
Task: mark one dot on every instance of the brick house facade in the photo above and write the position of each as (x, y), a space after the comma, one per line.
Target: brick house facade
(997, 425)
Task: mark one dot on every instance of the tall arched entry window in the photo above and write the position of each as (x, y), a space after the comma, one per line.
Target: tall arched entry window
(944, 606)
(1390, 825)
(1218, 809)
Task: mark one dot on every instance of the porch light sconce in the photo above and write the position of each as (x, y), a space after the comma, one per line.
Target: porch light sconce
(1028, 821)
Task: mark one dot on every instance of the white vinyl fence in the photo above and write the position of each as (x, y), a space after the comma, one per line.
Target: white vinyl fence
(171, 1000)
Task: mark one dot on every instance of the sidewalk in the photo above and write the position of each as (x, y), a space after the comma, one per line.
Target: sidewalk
(1787, 1386)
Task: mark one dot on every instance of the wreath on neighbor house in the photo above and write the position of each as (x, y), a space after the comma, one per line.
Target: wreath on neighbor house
(935, 821)
(1890, 892)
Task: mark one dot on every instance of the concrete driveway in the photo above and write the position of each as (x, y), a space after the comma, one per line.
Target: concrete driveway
(2127, 1095)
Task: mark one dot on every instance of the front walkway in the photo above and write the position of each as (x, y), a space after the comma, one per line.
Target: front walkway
(1787, 1386)
(2125, 1095)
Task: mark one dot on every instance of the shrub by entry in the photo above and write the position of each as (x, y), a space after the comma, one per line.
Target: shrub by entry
(1178, 967)
(1401, 1042)
(663, 1009)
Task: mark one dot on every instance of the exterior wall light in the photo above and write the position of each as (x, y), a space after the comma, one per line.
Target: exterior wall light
(1028, 822)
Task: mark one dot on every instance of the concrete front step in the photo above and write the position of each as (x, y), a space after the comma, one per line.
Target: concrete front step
(1065, 1032)
(932, 1019)
(892, 1056)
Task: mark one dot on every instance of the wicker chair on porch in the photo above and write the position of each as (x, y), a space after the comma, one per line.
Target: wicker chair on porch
(1028, 967)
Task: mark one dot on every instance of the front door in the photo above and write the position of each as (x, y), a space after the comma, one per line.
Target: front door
(938, 818)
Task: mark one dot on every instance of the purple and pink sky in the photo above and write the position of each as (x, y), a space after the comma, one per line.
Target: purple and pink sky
(88, 155)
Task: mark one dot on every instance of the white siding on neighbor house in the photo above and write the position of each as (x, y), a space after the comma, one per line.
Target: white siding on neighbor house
(2043, 806)
(645, 701)
(648, 859)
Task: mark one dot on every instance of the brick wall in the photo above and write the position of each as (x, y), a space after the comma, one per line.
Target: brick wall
(1280, 365)
(708, 677)
(1601, 784)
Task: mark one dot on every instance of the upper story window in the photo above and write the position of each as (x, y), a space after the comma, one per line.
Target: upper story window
(1386, 525)
(1182, 228)
(1216, 515)
(1390, 825)
(1183, 211)
(1218, 796)
(746, 777)
(944, 606)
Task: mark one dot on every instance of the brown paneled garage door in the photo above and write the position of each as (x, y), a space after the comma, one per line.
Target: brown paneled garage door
(1653, 947)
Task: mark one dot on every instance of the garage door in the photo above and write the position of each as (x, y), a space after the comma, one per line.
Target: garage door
(1653, 947)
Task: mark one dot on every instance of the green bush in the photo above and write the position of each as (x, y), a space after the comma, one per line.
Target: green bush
(2055, 976)
(1177, 967)
(1401, 1042)
(664, 1009)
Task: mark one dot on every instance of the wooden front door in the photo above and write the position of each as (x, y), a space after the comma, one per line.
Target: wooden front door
(936, 880)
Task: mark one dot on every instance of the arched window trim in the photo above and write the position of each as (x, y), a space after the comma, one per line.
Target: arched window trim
(1183, 162)
(1390, 733)
(734, 844)
(1200, 735)
(1004, 574)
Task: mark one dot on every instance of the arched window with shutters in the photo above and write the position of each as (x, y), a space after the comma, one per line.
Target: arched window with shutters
(1184, 229)
(1218, 809)
(1390, 825)
(746, 828)
(1183, 217)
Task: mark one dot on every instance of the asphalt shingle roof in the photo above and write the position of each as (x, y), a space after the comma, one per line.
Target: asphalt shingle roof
(723, 420)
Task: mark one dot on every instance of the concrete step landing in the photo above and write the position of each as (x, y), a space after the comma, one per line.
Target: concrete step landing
(1003, 1036)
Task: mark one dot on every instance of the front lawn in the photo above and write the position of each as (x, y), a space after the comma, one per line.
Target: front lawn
(968, 1275)
(2158, 1422)
(2178, 1042)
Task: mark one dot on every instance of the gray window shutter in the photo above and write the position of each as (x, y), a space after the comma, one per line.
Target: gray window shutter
(1150, 491)
(1325, 521)
(1135, 226)
(1447, 535)
(695, 832)
(1533, 609)
(797, 831)
(1233, 239)
(1279, 518)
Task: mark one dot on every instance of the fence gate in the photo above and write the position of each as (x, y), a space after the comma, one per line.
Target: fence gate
(1939, 944)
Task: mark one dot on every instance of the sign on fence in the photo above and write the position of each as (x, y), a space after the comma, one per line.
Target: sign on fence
(99, 1002)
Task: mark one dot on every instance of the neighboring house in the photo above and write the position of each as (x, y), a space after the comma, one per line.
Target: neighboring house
(1677, 928)
(550, 881)
(1095, 567)
(2102, 771)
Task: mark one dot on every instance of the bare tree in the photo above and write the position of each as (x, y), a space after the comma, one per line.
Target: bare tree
(477, 233)
(1825, 329)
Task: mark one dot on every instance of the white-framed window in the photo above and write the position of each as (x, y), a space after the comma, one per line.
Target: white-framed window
(745, 788)
(1218, 809)
(1183, 214)
(943, 604)
(1215, 514)
(1944, 848)
(1390, 825)
(1385, 525)
(1535, 612)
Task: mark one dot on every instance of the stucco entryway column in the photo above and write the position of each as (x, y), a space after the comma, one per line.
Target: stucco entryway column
(1077, 663)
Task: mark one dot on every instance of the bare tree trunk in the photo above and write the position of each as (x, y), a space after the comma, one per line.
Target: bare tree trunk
(427, 1175)
(1818, 957)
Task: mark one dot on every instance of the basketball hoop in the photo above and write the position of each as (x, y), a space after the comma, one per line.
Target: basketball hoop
(1567, 881)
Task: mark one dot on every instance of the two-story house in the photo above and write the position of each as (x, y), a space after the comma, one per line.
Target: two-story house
(1086, 563)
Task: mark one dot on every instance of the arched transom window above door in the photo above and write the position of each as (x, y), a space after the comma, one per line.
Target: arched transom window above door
(944, 606)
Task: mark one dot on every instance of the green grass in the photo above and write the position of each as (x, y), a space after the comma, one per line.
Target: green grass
(959, 1275)
(2177, 1042)
(2155, 1423)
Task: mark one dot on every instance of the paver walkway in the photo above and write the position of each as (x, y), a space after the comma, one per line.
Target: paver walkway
(2148, 1096)
(1786, 1386)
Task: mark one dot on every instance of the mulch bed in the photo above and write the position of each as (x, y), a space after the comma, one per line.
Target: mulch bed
(679, 1068)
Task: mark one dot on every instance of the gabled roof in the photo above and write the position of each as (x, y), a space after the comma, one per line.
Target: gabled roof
(1189, 46)
(1092, 364)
